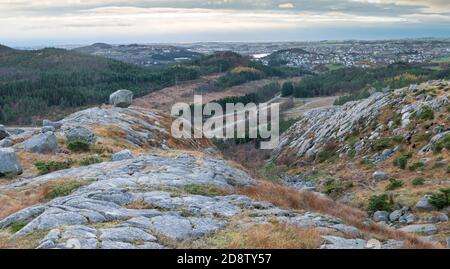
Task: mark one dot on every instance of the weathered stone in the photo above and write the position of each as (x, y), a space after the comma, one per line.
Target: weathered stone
(180, 228)
(42, 143)
(395, 215)
(121, 98)
(424, 204)
(381, 216)
(122, 155)
(441, 163)
(439, 217)
(6, 143)
(56, 125)
(46, 129)
(79, 133)
(9, 163)
(125, 234)
(51, 220)
(424, 229)
(380, 175)
(124, 245)
(335, 242)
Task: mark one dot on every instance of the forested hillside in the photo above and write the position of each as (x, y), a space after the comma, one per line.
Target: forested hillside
(356, 81)
(35, 84)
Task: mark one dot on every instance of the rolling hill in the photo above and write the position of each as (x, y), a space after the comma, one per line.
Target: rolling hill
(34, 83)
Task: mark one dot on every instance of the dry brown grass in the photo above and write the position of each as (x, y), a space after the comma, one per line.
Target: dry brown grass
(25, 242)
(264, 236)
(290, 198)
(19, 198)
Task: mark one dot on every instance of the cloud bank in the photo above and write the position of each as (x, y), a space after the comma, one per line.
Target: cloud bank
(80, 21)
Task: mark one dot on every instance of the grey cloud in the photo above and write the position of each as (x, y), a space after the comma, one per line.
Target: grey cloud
(362, 8)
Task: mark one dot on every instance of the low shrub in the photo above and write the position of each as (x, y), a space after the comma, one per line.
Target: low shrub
(379, 203)
(425, 114)
(382, 143)
(440, 199)
(394, 184)
(206, 190)
(79, 146)
(402, 160)
(423, 137)
(45, 167)
(397, 139)
(64, 189)
(17, 226)
(273, 172)
(90, 160)
(418, 181)
(443, 143)
(415, 166)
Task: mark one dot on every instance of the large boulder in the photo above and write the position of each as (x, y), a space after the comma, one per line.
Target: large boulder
(3, 132)
(381, 216)
(42, 143)
(79, 133)
(8, 162)
(121, 98)
(380, 175)
(424, 204)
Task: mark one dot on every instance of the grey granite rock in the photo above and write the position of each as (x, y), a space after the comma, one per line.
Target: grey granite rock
(42, 143)
(121, 98)
(9, 163)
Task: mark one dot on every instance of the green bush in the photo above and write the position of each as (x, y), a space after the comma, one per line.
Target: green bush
(402, 160)
(397, 118)
(335, 188)
(444, 143)
(63, 189)
(273, 172)
(397, 139)
(79, 145)
(17, 226)
(45, 167)
(418, 181)
(415, 166)
(206, 190)
(394, 184)
(90, 160)
(426, 113)
(440, 199)
(422, 137)
(383, 143)
(379, 203)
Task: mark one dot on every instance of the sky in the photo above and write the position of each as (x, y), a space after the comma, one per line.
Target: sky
(58, 22)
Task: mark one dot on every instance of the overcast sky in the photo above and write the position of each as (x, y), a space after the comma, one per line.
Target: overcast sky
(56, 22)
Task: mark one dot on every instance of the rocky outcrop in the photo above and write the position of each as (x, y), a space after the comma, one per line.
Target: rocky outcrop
(140, 203)
(331, 127)
(121, 98)
(8, 162)
(130, 128)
